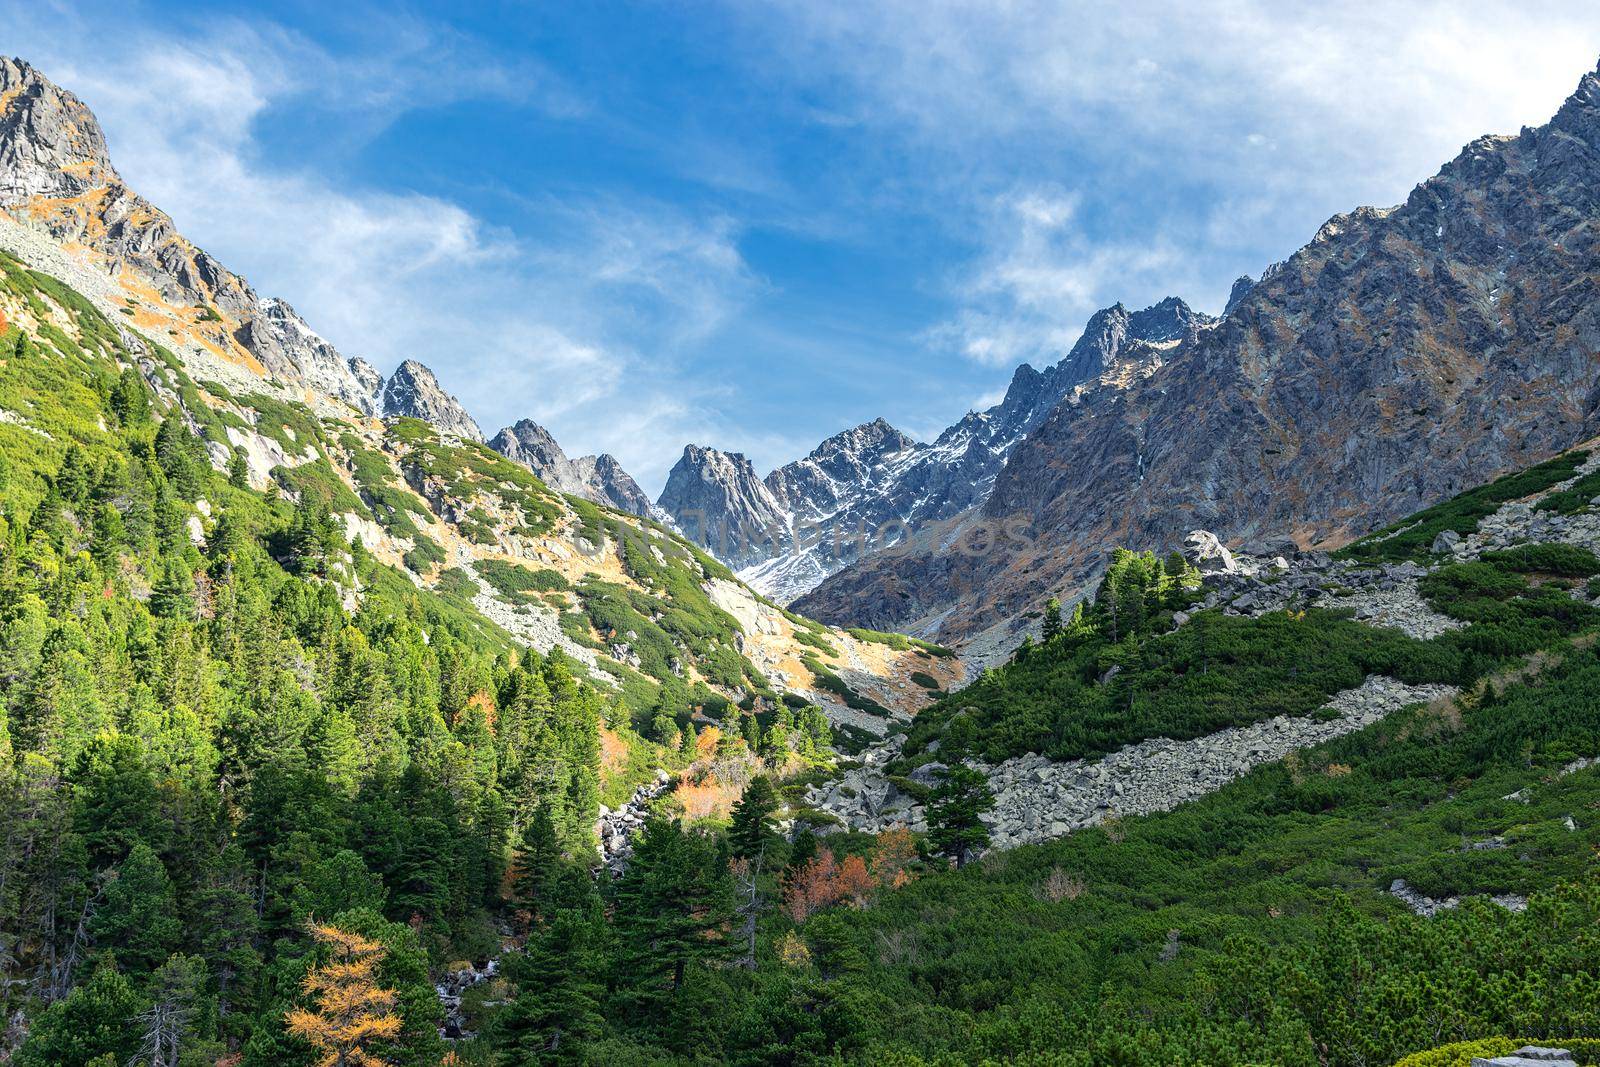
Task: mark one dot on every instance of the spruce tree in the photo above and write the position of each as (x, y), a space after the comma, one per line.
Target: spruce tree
(751, 830)
(954, 809)
(558, 981)
(97, 1018)
(1052, 620)
(672, 911)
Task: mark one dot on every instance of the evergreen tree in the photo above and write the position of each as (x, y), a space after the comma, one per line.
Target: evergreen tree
(139, 917)
(130, 399)
(955, 805)
(751, 830)
(1052, 620)
(98, 1018)
(238, 470)
(166, 1023)
(537, 867)
(559, 983)
(673, 906)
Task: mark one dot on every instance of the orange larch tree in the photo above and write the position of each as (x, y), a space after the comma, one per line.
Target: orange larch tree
(352, 1011)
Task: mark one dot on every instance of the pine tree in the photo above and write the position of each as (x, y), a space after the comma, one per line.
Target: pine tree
(97, 1018)
(139, 917)
(238, 470)
(130, 399)
(352, 1013)
(954, 809)
(1052, 620)
(537, 867)
(174, 990)
(672, 911)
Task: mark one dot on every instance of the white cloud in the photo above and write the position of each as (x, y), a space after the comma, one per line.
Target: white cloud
(1242, 124)
(552, 331)
(1041, 275)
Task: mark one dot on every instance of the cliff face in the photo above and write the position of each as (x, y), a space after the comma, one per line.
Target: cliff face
(1399, 357)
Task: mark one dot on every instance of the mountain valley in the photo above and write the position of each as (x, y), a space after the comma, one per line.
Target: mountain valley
(1228, 693)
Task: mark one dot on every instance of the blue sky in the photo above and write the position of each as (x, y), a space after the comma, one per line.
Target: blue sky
(752, 225)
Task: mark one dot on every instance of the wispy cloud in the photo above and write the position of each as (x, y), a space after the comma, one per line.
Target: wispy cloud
(1041, 275)
(1191, 136)
(553, 329)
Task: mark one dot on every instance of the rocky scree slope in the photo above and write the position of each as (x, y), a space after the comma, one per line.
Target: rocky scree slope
(1401, 355)
(867, 488)
(1038, 799)
(626, 597)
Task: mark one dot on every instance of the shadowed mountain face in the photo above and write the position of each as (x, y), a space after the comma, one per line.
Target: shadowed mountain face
(870, 487)
(1401, 356)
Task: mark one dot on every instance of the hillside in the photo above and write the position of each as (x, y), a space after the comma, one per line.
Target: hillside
(623, 596)
(1401, 356)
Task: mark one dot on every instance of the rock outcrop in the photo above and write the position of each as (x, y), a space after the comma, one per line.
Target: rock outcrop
(413, 391)
(1399, 357)
(598, 478)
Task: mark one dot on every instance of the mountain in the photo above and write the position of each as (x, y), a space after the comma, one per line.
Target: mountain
(397, 464)
(865, 489)
(719, 502)
(598, 478)
(56, 176)
(1401, 355)
(414, 392)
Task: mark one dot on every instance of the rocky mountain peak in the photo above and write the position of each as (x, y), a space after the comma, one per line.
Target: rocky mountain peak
(870, 439)
(413, 391)
(50, 143)
(278, 329)
(1241, 289)
(1580, 113)
(868, 487)
(56, 176)
(530, 444)
(598, 478)
(717, 500)
(1169, 320)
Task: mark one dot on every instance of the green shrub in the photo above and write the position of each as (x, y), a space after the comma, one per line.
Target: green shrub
(900, 642)
(1574, 498)
(520, 585)
(1413, 537)
(426, 553)
(1585, 1050)
(1568, 561)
